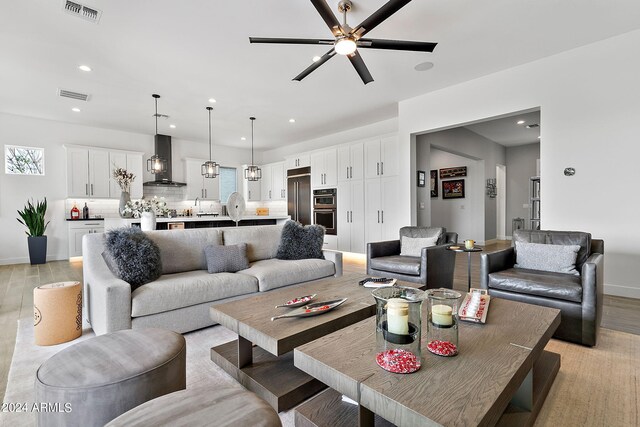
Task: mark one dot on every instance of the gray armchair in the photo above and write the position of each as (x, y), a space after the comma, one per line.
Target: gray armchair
(433, 268)
(579, 297)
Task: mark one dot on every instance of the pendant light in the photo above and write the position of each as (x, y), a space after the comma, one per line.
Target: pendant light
(156, 164)
(210, 169)
(252, 172)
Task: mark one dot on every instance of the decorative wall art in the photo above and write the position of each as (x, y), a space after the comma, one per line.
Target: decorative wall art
(434, 183)
(453, 189)
(422, 177)
(453, 172)
(23, 160)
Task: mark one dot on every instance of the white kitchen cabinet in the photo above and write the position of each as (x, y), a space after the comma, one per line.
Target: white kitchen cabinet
(330, 242)
(351, 216)
(324, 168)
(132, 162)
(79, 228)
(87, 172)
(274, 182)
(298, 161)
(251, 190)
(381, 157)
(350, 162)
(199, 186)
(381, 213)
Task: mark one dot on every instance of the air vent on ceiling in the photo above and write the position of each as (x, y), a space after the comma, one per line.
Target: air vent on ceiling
(82, 11)
(531, 126)
(73, 95)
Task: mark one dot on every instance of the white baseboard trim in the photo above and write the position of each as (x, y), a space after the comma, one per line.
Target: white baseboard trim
(504, 238)
(25, 260)
(622, 291)
(490, 241)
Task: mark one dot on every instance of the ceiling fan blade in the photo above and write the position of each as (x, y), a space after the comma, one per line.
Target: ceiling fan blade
(329, 18)
(311, 68)
(397, 45)
(290, 40)
(360, 67)
(388, 9)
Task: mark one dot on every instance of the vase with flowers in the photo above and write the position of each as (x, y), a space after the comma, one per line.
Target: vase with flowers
(147, 210)
(124, 180)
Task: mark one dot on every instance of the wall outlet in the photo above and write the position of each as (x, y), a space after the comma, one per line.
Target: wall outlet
(421, 205)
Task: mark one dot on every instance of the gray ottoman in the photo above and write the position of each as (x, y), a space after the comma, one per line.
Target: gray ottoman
(220, 407)
(94, 381)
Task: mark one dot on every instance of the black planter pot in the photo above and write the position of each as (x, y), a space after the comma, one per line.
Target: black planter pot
(37, 249)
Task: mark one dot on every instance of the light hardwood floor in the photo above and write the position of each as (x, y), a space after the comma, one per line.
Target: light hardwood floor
(17, 283)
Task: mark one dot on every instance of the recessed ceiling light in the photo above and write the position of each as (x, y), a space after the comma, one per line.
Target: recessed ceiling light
(316, 58)
(172, 126)
(75, 109)
(423, 66)
(84, 68)
(213, 101)
(520, 122)
(243, 138)
(292, 120)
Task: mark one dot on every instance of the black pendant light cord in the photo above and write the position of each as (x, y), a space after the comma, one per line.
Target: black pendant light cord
(156, 115)
(209, 108)
(252, 120)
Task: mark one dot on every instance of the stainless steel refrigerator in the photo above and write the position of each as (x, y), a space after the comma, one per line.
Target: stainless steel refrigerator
(299, 195)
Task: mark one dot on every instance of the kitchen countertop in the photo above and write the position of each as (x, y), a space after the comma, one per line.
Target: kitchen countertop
(87, 219)
(207, 218)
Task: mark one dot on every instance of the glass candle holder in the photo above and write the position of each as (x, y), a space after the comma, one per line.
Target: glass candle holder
(442, 326)
(398, 328)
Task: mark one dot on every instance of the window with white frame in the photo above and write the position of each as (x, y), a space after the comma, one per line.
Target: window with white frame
(23, 160)
(227, 183)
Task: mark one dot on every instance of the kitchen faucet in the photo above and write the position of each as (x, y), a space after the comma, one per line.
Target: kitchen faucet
(198, 203)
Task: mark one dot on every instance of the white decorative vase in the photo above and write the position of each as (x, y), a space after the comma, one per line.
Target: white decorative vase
(148, 221)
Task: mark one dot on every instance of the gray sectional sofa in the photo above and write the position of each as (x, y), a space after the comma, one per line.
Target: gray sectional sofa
(180, 299)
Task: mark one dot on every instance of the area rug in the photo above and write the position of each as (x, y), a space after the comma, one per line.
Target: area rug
(27, 357)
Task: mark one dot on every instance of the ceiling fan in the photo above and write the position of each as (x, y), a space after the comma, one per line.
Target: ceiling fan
(348, 40)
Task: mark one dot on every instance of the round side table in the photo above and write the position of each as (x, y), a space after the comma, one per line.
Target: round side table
(57, 312)
(469, 252)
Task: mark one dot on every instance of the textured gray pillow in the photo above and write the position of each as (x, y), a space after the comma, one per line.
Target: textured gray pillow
(132, 256)
(413, 246)
(226, 259)
(298, 242)
(544, 257)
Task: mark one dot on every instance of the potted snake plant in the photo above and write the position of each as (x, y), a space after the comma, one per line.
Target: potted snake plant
(33, 218)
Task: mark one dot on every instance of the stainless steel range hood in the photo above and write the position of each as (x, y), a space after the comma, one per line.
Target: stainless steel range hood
(163, 149)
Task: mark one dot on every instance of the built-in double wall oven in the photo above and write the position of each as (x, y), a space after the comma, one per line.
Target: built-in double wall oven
(325, 209)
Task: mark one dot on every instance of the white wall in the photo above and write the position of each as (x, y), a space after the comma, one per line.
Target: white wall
(589, 106)
(15, 190)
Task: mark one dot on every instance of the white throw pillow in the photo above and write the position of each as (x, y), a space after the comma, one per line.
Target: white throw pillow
(412, 246)
(544, 257)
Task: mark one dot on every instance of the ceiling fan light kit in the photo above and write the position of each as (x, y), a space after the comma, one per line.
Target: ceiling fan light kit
(252, 172)
(348, 40)
(210, 169)
(156, 164)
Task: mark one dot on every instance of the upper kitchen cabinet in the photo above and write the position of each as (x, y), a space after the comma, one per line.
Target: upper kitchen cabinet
(324, 168)
(251, 190)
(298, 161)
(132, 162)
(381, 157)
(87, 172)
(273, 182)
(350, 161)
(197, 185)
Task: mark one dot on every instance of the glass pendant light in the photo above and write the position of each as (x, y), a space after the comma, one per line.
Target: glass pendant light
(252, 172)
(156, 164)
(210, 169)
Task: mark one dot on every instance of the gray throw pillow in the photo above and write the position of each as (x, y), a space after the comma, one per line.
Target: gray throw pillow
(132, 256)
(226, 259)
(544, 257)
(413, 246)
(298, 242)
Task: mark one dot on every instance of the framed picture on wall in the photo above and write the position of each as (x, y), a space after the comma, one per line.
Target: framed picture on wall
(434, 183)
(453, 172)
(453, 189)
(422, 176)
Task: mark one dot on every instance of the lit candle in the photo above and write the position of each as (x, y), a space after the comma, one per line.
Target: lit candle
(441, 315)
(398, 316)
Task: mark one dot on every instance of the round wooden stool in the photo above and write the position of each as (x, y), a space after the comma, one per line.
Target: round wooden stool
(57, 312)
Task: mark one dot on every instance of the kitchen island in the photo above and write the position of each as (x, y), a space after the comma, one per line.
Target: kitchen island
(205, 221)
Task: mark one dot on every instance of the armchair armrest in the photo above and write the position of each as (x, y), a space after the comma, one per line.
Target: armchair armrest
(592, 276)
(387, 248)
(437, 263)
(451, 237)
(495, 261)
(336, 257)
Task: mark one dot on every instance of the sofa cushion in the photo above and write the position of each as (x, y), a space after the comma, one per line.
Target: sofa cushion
(553, 258)
(541, 283)
(551, 237)
(262, 241)
(226, 259)
(412, 246)
(409, 265)
(301, 242)
(172, 291)
(132, 256)
(183, 250)
(276, 273)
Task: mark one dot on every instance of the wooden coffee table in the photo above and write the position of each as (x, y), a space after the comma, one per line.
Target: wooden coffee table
(500, 377)
(267, 368)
